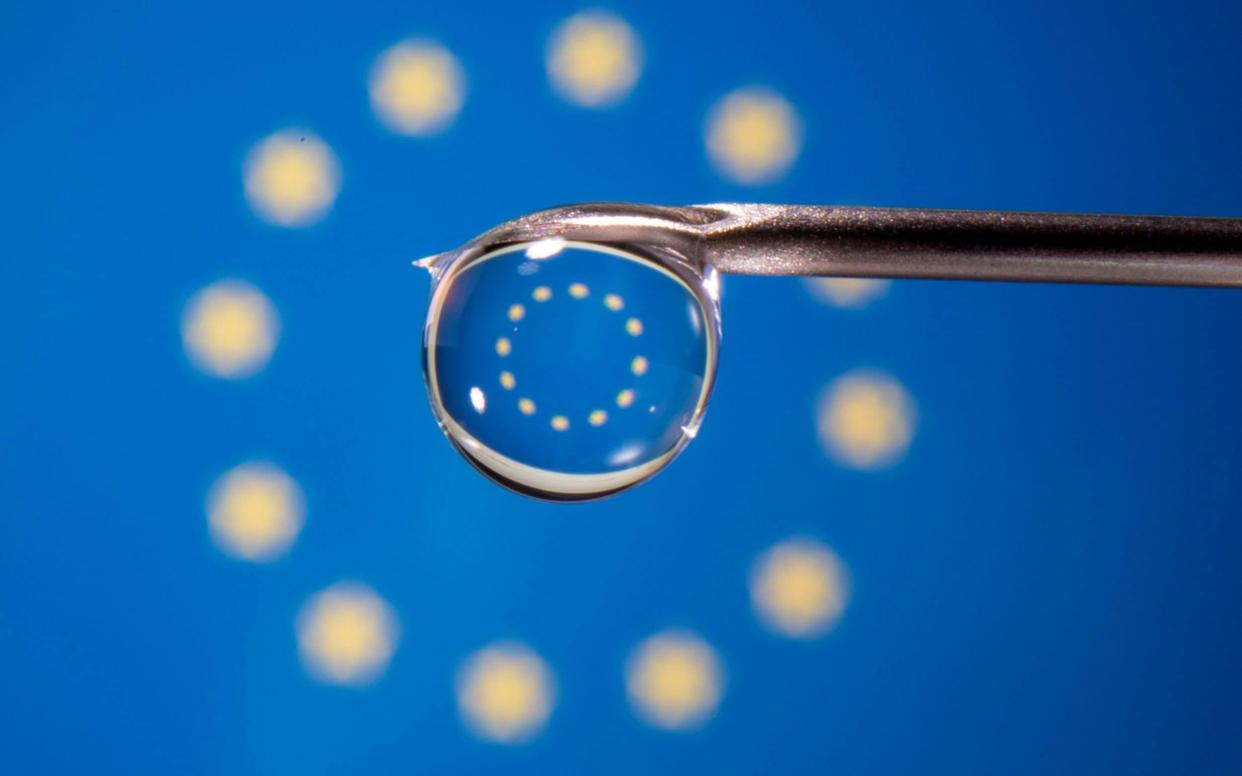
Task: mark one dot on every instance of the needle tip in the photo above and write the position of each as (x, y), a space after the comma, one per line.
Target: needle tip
(427, 262)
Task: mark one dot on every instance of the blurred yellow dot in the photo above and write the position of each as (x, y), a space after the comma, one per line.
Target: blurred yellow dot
(560, 422)
(229, 329)
(674, 680)
(753, 136)
(850, 293)
(639, 365)
(625, 398)
(516, 312)
(613, 302)
(594, 59)
(507, 381)
(255, 511)
(542, 294)
(865, 420)
(578, 290)
(505, 693)
(799, 588)
(503, 347)
(417, 88)
(526, 406)
(634, 327)
(346, 634)
(597, 418)
(291, 178)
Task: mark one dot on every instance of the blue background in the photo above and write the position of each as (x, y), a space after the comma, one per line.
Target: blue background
(1047, 582)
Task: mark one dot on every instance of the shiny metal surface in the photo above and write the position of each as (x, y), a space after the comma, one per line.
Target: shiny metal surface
(975, 245)
(755, 239)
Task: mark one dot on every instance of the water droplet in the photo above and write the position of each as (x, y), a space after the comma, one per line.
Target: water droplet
(571, 357)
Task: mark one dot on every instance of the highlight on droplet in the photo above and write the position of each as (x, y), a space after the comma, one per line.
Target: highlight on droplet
(546, 248)
(478, 400)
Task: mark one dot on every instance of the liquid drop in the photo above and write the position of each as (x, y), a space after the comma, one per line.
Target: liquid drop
(569, 370)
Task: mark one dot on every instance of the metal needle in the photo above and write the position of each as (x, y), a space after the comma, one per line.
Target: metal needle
(974, 245)
(755, 239)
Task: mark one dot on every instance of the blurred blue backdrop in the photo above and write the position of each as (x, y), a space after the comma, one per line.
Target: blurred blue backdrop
(1046, 582)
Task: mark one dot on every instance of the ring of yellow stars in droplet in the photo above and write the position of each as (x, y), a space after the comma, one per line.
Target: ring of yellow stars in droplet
(291, 178)
(594, 59)
(505, 693)
(753, 136)
(674, 680)
(517, 311)
(255, 512)
(799, 588)
(865, 420)
(346, 634)
(229, 329)
(417, 88)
